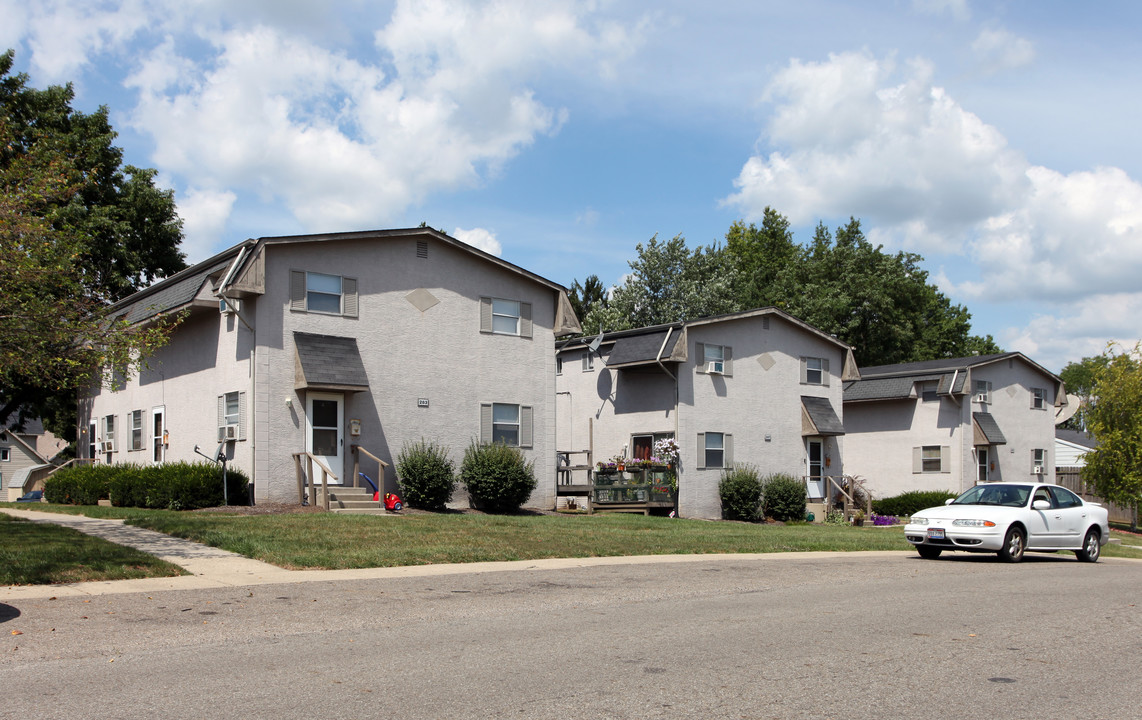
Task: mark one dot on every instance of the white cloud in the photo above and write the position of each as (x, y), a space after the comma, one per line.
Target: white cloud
(1055, 340)
(855, 135)
(204, 214)
(997, 49)
(479, 238)
(958, 9)
(63, 35)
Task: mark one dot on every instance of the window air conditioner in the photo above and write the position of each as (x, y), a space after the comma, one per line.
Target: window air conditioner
(1037, 470)
(108, 446)
(981, 398)
(226, 306)
(228, 432)
(714, 368)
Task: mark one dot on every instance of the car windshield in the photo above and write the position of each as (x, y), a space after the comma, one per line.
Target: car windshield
(1004, 495)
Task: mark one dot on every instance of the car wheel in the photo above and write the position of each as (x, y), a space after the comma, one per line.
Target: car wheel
(1092, 548)
(1013, 546)
(929, 553)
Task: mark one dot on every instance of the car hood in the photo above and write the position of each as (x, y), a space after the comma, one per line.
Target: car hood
(951, 512)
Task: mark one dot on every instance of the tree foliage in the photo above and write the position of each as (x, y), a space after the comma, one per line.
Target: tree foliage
(586, 297)
(76, 231)
(880, 303)
(1114, 419)
(1079, 379)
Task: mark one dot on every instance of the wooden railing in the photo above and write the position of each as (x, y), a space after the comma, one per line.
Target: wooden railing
(305, 474)
(837, 490)
(358, 451)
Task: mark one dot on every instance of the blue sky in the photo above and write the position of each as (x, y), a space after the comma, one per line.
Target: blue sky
(996, 139)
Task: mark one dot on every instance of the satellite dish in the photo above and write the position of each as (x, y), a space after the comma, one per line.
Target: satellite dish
(594, 346)
(1066, 412)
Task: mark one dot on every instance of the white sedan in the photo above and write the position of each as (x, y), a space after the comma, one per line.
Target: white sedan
(1010, 518)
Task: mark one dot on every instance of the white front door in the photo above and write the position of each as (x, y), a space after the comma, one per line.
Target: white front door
(983, 458)
(815, 469)
(323, 432)
(158, 435)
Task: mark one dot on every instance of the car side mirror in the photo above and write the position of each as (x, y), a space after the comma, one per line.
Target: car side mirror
(1041, 505)
(949, 501)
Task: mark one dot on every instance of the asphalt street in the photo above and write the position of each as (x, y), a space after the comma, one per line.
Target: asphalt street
(781, 636)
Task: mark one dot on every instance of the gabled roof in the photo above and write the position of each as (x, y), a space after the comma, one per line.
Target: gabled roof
(896, 382)
(1076, 438)
(180, 290)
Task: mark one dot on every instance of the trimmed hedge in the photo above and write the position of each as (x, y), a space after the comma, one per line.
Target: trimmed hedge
(740, 490)
(173, 486)
(426, 474)
(498, 477)
(911, 502)
(783, 497)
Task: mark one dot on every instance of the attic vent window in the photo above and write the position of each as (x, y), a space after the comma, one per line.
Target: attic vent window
(765, 323)
(422, 248)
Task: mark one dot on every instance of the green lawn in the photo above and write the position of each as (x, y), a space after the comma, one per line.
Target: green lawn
(330, 541)
(38, 554)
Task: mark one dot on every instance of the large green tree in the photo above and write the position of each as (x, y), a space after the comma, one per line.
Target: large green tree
(77, 230)
(1079, 378)
(1114, 419)
(584, 297)
(668, 282)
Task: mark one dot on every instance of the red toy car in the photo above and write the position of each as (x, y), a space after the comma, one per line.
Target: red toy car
(392, 502)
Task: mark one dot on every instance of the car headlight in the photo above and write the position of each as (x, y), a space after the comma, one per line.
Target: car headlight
(973, 523)
(918, 520)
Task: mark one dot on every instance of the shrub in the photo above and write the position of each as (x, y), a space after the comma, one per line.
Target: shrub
(740, 490)
(426, 474)
(173, 486)
(497, 477)
(910, 502)
(783, 497)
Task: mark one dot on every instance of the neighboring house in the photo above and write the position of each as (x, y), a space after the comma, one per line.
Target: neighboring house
(948, 424)
(317, 343)
(758, 387)
(25, 458)
(1071, 447)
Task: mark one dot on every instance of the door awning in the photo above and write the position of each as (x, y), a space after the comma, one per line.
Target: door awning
(328, 362)
(986, 430)
(648, 349)
(819, 418)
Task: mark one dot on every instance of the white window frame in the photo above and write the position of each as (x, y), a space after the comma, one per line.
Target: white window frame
(929, 390)
(588, 362)
(503, 425)
(982, 387)
(301, 290)
(136, 429)
(817, 365)
(491, 417)
(1038, 398)
(232, 408)
(1039, 460)
(505, 313)
(5, 454)
(159, 434)
(109, 432)
(727, 450)
(716, 355)
(924, 455)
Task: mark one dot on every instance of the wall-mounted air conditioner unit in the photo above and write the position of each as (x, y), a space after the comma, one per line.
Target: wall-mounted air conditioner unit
(227, 306)
(1037, 470)
(227, 432)
(714, 368)
(981, 398)
(108, 446)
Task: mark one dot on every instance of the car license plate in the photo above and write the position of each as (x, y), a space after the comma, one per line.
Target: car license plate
(935, 533)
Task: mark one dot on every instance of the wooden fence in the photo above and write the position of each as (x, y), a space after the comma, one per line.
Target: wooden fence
(1071, 479)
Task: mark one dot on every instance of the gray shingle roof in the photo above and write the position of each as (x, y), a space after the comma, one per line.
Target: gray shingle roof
(989, 428)
(643, 349)
(1077, 437)
(172, 295)
(823, 416)
(329, 361)
(943, 365)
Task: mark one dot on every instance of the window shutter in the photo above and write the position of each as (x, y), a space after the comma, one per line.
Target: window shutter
(241, 416)
(945, 459)
(485, 423)
(296, 290)
(701, 454)
(349, 297)
(728, 451)
(525, 319)
(804, 371)
(700, 354)
(221, 418)
(825, 371)
(917, 460)
(728, 361)
(485, 315)
(525, 426)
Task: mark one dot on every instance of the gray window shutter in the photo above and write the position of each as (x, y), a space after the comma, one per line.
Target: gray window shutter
(728, 360)
(525, 426)
(485, 315)
(525, 319)
(241, 416)
(701, 454)
(825, 371)
(945, 459)
(917, 460)
(728, 451)
(700, 354)
(349, 297)
(485, 423)
(221, 418)
(804, 371)
(297, 290)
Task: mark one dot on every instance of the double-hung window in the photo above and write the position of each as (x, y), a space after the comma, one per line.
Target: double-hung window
(982, 392)
(714, 359)
(231, 416)
(136, 429)
(322, 293)
(932, 459)
(5, 454)
(500, 316)
(1038, 461)
(1038, 399)
(929, 390)
(814, 371)
(506, 424)
(715, 450)
(109, 434)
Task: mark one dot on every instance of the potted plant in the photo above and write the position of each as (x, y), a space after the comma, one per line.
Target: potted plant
(858, 517)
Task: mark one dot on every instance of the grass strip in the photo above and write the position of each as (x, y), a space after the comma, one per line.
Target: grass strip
(44, 554)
